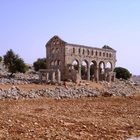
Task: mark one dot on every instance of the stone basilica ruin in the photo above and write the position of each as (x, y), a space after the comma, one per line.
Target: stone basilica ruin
(66, 61)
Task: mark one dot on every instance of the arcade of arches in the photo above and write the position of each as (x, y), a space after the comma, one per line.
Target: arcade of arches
(94, 71)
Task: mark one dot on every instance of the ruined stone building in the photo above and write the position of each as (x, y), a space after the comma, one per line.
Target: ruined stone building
(75, 62)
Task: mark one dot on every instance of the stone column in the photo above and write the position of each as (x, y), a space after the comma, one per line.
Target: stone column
(58, 76)
(47, 77)
(53, 77)
(97, 74)
(79, 71)
(114, 77)
(88, 73)
(109, 77)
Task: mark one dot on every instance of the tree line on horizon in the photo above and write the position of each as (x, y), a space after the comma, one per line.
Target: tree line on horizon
(15, 64)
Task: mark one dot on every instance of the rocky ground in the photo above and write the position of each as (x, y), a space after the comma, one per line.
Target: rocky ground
(86, 111)
(90, 118)
(89, 111)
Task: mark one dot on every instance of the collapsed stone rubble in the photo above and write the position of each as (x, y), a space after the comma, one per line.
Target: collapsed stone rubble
(20, 78)
(119, 88)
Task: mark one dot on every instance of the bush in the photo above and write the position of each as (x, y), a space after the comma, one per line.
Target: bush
(40, 63)
(14, 63)
(122, 73)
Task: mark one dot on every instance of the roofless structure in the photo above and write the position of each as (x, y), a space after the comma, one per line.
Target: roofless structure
(79, 62)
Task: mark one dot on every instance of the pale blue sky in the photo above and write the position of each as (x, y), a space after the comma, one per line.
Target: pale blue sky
(26, 25)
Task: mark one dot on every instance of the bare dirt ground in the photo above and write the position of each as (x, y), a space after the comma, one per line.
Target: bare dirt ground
(96, 118)
(27, 86)
(41, 86)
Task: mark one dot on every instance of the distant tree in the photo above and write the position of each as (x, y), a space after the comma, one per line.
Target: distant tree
(0, 58)
(122, 73)
(14, 63)
(40, 63)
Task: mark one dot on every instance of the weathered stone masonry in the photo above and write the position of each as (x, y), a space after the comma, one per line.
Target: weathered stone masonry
(72, 60)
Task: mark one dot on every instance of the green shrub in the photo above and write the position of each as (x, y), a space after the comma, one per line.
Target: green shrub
(122, 73)
(40, 63)
(14, 63)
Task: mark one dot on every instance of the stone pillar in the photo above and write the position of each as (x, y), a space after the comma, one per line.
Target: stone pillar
(53, 77)
(47, 77)
(79, 71)
(88, 73)
(97, 74)
(109, 77)
(105, 76)
(58, 76)
(114, 77)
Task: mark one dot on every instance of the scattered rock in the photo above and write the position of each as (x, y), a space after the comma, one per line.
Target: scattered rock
(115, 89)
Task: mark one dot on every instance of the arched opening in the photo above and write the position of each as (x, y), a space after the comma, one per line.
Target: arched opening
(88, 52)
(55, 62)
(57, 42)
(52, 63)
(103, 54)
(84, 68)
(109, 66)
(83, 51)
(53, 50)
(93, 68)
(75, 64)
(108, 69)
(101, 71)
(106, 54)
(79, 51)
(73, 50)
(92, 52)
(57, 50)
(96, 53)
(58, 62)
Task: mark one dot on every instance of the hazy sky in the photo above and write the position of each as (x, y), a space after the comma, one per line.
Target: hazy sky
(26, 25)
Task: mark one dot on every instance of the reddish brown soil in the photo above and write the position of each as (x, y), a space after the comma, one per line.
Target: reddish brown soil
(40, 86)
(27, 86)
(99, 118)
